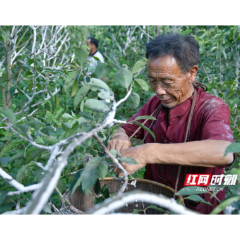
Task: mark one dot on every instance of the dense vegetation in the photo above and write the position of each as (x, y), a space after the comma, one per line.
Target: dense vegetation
(47, 96)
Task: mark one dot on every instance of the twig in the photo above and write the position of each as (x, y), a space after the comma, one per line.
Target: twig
(123, 187)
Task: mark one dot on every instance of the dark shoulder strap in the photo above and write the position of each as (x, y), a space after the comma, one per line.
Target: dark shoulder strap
(187, 136)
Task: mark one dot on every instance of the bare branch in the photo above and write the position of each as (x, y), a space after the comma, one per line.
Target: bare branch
(110, 205)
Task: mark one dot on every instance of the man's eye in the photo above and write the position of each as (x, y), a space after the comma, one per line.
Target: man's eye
(167, 83)
(151, 80)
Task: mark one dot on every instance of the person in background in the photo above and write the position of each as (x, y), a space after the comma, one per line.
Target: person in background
(93, 44)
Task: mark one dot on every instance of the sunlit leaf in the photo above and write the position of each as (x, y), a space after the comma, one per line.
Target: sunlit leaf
(142, 84)
(98, 83)
(96, 105)
(145, 117)
(124, 77)
(74, 89)
(139, 65)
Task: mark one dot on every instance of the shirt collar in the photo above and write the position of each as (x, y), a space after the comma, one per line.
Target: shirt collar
(93, 53)
(181, 109)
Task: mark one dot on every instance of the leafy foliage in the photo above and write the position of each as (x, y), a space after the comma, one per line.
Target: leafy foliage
(49, 96)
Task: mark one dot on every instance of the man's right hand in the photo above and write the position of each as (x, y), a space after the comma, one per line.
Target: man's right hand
(120, 141)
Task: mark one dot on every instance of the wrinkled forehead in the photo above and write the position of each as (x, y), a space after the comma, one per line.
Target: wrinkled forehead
(166, 63)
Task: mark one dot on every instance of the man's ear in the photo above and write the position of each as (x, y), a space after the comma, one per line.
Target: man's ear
(193, 73)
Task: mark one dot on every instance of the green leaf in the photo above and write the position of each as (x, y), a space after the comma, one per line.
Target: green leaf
(33, 123)
(4, 160)
(23, 128)
(145, 128)
(97, 187)
(33, 152)
(81, 120)
(102, 69)
(16, 156)
(95, 82)
(145, 117)
(102, 171)
(133, 100)
(22, 170)
(81, 54)
(75, 88)
(136, 211)
(224, 204)
(12, 90)
(67, 116)
(234, 147)
(82, 105)
(98, 200)
(114, 152)
(47, 208)
(128, 160)
(82, 93)
(89, 175)
(76, 181)
(139, 65)
(48, 130)
(96, 105)
(197, 198)
(86, 115)
(9, 147)
(6, 207)
(58, 113)
(124, 77)
(157, 208)
(105, 191)
(103, 94)
(190, 191)
(66, 126)
(142, 84)
(70, 79)
(3, 195)
(9, 114)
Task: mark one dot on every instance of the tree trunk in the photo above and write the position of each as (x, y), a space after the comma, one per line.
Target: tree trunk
(157, 30)
(163, 29)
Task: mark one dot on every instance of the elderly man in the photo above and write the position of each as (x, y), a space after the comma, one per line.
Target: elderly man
(192, 127)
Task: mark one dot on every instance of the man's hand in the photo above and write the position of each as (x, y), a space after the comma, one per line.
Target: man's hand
(120, 141)
(137, 153)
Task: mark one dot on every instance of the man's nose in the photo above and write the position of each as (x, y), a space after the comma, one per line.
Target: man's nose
(159, 89)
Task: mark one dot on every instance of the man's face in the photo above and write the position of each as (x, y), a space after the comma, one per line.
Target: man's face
(168, 81)
(89, 44)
